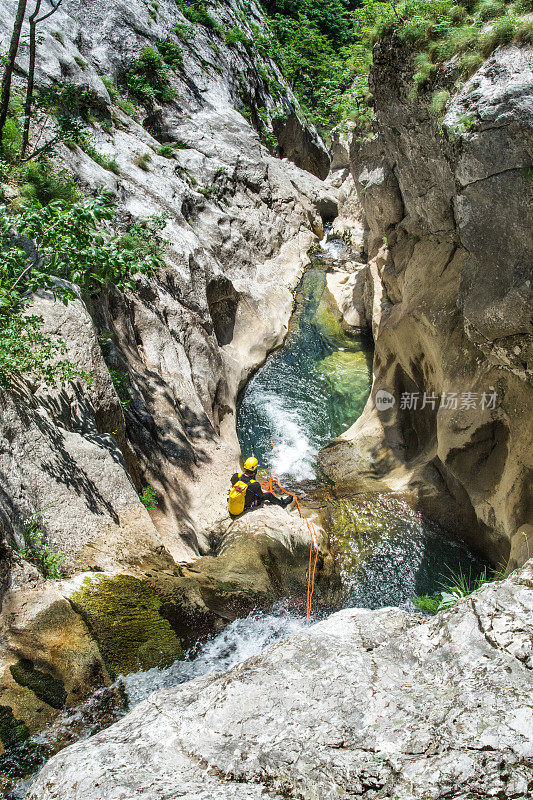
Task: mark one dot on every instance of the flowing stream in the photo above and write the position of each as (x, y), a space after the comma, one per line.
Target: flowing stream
(313, 388)
(306, 393)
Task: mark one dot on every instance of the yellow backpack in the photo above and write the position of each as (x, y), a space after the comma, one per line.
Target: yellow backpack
(237, 495)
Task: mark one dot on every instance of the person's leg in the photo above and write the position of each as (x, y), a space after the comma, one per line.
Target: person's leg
(270, 497)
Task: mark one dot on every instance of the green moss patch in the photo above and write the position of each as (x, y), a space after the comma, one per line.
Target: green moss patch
(21, 756)
(124, 614)
(48, 689)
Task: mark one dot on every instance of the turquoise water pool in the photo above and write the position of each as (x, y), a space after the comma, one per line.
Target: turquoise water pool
(307, 393)
(312, 389)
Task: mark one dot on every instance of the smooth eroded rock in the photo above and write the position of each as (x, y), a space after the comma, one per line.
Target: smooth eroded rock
(364, 704)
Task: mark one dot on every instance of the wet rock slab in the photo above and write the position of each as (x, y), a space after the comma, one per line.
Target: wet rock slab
(373, 704)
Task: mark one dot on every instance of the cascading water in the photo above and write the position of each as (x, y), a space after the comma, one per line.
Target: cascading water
(312, 389)
(240, 640)
(308, 393)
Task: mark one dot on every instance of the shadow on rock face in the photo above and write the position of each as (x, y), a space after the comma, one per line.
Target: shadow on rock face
(301, 145)
(222, 299)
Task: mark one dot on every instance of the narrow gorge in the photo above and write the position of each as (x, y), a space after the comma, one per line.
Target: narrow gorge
(192, 272)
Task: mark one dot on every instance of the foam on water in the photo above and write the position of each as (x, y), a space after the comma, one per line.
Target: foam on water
(241, 639)
(296, 400)
(293, 453)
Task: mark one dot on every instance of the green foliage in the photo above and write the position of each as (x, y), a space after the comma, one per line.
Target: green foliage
(462, 124)
(502, 32)
(460, 584)
(143, 161)
(11, 140)
(122, 102)
(41, 183)
(121, 382)
(171, 52)
(74, 109)
(490, 9)
(436, 31)
(166, 150)
(268, 138)
(183, 32)
(313, 69)
(143, 237)
(424, 71)
(147, 79)
(331, 17)
(111, 87)
(67, 100)
(310, 39)
(25, 350)
(124, 614)
(72, 243)
(106, 162)
(127, 107)
(196, 12)
(149, 497)
(454, 588)
(38, 550)
(438, 101)
(428, 603)
(235, 36)
(208, 191)
(524, 32)
(469, 63)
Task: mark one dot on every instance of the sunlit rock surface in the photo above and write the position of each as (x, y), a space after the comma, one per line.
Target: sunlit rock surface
(365, 704)
(239, 222)
(448, 291)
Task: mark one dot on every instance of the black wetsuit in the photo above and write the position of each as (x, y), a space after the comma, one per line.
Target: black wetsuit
(255, 496)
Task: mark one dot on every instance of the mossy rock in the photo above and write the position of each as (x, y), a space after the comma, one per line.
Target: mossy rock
(330, 322)
(21, 756)
(123, 612)
(48, 689)
(356, 528)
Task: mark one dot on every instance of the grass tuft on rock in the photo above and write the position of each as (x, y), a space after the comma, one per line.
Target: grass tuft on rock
(123, 613)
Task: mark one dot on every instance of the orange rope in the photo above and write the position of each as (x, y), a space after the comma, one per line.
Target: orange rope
(313, 537)
(267, 486)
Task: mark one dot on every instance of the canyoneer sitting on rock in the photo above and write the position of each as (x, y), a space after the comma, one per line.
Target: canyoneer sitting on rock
(246, 491)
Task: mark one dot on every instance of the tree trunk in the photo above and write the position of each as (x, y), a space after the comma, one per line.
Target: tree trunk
(31, 76)
(5, 93)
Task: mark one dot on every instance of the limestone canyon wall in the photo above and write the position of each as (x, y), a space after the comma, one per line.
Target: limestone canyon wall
(239, 222)
(448, 204)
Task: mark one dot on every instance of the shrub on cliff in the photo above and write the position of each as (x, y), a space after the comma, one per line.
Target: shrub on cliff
(461, 32)
(38, 246)
(147, 79)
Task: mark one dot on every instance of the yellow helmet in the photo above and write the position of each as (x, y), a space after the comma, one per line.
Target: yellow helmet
(251, 464)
